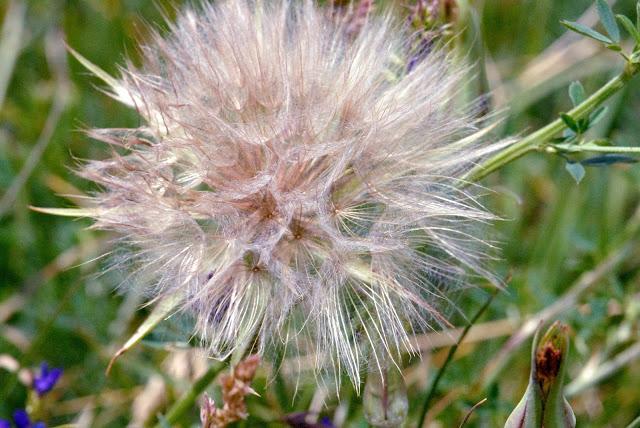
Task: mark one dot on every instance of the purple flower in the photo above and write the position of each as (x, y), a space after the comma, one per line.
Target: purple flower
(298, 420)
(47, 379)
(326, 422)
(21, 420)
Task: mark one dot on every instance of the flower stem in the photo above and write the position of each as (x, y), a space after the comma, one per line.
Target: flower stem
(187, 401)
(537, 139)
(452, 351)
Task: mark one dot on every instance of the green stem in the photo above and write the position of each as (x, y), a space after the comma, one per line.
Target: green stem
(187, 401)
(452, 351)
(578, 148)
(537, 139)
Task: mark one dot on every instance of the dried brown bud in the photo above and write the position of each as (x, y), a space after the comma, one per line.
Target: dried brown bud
(235, 387)
(548, 360)
(543, 404)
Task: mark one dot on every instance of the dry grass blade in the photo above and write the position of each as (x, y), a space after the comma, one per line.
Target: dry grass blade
(10, 44)
(592, 376)
(57, 60)
(568, 300)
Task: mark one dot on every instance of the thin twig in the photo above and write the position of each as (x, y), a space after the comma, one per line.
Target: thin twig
(452, 351)
(468, 415)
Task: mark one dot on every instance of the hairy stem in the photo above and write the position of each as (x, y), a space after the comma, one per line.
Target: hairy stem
(537, 139)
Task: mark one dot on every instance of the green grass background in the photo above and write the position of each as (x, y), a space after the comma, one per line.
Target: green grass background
(55, 308)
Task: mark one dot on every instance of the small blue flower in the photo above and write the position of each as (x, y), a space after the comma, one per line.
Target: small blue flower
(5, 423)
(326, 422)
(21, 420)
(47, 379)
(298, 420)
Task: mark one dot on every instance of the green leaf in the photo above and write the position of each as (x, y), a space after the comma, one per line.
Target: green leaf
(583, 125)
(576, 170)
(608, 20)
(638, 16)
(608, 159)
(586, 31)
(629, 27)
(570, 122)
(597, 115)
(576, 93)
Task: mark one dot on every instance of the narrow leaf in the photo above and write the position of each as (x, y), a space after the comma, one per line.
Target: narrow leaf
(586, 31)
(629, 27)
(570, 122)
(576, 93)
(608, 159)
(583, 125)
(576, 170)
(597, 115)
(162, 310)
(638, 16)
(608, 20)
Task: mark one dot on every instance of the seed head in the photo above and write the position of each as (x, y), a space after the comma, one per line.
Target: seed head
(292, 182)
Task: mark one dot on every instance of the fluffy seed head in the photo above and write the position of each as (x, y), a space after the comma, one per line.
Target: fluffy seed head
(293, 183)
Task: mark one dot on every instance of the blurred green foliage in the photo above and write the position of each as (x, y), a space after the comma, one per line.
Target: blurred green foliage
(54, 307)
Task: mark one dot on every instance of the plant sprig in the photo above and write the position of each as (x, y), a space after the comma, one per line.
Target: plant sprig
(586, 111)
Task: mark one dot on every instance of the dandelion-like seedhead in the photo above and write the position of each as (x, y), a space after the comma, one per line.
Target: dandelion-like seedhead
(294, 184)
